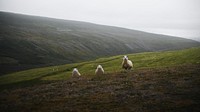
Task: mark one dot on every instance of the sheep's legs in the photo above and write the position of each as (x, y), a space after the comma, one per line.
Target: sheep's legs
(126, 70)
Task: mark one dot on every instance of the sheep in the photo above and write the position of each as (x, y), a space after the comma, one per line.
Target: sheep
(75, 73)
(99, 70)
(127, 64)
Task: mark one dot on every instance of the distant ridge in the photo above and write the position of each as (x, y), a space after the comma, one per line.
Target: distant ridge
(31, 41)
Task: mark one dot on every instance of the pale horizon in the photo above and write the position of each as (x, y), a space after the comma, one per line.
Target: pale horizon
(168, 17)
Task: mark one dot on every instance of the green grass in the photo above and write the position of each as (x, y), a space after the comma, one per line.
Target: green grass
(159, 82)
(110, 65)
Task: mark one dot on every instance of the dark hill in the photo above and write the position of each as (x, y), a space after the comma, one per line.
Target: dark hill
(30, 41)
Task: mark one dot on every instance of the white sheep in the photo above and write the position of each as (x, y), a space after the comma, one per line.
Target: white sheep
(127, 64)
(75, 73)
(99, 70)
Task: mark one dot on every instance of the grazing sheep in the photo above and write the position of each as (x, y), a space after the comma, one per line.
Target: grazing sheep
(99, 70)
(127, 64)
(75, 73)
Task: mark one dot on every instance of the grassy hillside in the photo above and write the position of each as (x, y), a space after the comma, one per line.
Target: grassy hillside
(110, 65)
(160, 81)
(30, 42)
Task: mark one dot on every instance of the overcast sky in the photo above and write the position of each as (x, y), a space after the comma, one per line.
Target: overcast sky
(171, 17)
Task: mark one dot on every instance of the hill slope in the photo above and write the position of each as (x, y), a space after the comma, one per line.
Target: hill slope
(160, 81)
(110, 65)
(29, 41)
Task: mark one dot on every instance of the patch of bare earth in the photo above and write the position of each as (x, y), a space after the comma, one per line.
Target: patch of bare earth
(162, 89)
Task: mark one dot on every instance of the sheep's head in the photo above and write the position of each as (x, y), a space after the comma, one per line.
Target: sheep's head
(99, 66)
(125, 58)
(75, 69)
